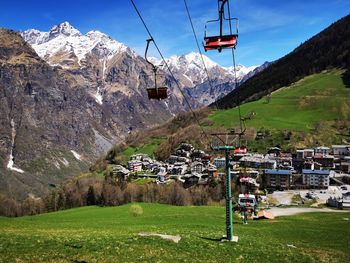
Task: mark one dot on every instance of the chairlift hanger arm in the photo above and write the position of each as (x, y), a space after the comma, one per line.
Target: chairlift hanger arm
(221, 14)
(146, 51)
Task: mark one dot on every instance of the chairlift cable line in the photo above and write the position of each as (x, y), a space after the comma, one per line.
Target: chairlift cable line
(199, 50)
(235, 77)
(167, 66)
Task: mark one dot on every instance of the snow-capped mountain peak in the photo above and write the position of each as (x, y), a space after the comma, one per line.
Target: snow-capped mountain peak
(65, 29)
(65, 39)
(195, 58)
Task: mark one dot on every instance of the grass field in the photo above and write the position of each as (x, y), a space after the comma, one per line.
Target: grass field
(319, 97)
(94, 234)
(148, 148)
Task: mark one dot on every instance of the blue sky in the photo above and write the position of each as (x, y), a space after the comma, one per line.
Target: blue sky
(268, 29)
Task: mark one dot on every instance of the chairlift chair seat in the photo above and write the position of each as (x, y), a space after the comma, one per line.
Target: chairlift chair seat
(220, 42)
(241, 149)
(159, 93)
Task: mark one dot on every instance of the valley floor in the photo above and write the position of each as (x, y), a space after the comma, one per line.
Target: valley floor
(111, 234)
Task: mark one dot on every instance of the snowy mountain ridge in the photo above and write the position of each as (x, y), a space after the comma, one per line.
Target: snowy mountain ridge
(95, 56)
(66, 38)
(190, 66)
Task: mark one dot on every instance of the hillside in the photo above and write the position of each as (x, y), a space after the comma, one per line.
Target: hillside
(313, 111)
(95, 234)
(326, 50)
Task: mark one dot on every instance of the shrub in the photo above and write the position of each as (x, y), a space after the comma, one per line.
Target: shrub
(136, 210)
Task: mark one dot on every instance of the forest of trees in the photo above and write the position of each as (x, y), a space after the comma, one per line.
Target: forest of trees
(328, 49)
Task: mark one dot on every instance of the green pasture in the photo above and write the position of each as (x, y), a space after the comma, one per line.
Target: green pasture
(110, 234)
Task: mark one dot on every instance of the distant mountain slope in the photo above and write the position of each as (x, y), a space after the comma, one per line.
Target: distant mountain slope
(328, 49)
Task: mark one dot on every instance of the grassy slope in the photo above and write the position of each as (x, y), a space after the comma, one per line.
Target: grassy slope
(148, 148)
(320, 97)
(95, 234)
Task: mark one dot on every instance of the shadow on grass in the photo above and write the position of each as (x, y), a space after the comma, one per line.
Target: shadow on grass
(212, 239)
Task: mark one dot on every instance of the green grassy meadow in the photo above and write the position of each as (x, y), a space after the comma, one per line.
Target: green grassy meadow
(319, 97)
(110, 234)
(147, 148)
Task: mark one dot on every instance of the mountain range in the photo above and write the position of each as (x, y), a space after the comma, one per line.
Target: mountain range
(66, 47)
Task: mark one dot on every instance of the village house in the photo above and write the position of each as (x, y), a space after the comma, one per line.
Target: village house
(178, 168)
(278, 179)
(345, 165)
(322, 150)
(311, 165)
(139, 157)
(257, 161)
(220, 162)
(135, 166)
(174, 159)
(211, 171)
(326, 161)
(197, 167)
(120, 171)
(316, 178)
(197, 155)
(305, 154)
(340, 151)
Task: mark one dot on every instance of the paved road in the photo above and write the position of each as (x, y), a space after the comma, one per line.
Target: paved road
(276, 211)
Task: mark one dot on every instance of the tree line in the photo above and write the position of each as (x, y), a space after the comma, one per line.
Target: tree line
(108, 191)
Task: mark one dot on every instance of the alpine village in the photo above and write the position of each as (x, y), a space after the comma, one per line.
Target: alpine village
(113, 152)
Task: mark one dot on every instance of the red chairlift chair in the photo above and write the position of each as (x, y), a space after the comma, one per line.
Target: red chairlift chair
(241, 149)
(155, 93)
(221, 41)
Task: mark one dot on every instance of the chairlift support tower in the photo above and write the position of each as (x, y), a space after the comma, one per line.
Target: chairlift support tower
(227, 149)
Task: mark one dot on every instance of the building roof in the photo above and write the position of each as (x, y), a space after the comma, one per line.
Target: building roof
(316, 172)
(278, 172)
(340, 146)
(322, 148)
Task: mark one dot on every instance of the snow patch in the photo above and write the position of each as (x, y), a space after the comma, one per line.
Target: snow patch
(98, 96)
(11, 163)
(76, 155)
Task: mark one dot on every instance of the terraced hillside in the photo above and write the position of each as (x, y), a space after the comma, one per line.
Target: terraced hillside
(95, 234)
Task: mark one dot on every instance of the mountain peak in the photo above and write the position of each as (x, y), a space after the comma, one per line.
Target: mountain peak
(64, 29)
